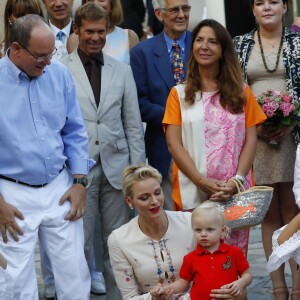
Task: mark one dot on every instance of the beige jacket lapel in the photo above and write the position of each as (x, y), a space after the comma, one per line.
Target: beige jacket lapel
(79, 73)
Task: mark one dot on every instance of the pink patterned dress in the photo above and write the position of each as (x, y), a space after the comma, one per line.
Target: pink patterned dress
(224, 141)
(214, 139)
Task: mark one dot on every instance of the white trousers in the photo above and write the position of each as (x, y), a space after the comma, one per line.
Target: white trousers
(62, 240)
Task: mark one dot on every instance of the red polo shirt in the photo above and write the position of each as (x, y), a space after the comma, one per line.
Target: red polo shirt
(212, 270)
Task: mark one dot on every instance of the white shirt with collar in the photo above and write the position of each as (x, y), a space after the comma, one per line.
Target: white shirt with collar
(61, 46)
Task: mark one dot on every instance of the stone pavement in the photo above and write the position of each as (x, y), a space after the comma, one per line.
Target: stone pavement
(260, 289)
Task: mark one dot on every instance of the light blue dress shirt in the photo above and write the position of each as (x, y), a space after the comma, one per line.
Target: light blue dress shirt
(41, 125)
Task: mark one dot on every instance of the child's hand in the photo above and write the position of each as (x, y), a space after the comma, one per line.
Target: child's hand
(235, 288)
(156, 291)
(161, 293)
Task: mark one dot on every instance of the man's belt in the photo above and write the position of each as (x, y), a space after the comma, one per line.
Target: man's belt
(24, 183)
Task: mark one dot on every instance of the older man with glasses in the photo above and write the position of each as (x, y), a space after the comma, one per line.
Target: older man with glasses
(43, 165)
(158, 64)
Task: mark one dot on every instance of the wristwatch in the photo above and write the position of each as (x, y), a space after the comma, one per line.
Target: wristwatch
(241, 178)
(81, 180)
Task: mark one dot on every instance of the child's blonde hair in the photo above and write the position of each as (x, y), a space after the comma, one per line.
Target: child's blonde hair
(212, 209)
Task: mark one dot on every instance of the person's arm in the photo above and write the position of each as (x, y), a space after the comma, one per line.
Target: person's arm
(3, 262)
(123, 271)
(179, 286)
(237, 287)
(72, 42)
(224, 293)
(172, 123)
(74, 136)
(185, 163)
(248, 153)
(253, 117)
(133, 38)
(8, 223)
(166, 292)
(132, 122)
(161, 293)
(76, 194)
(296, 187)
(246, 159)
(292, 227)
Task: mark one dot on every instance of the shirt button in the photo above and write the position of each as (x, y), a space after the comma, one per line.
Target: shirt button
(42, 139)
(33, 102)
(98, 122)
(48, 157)
(97, 142)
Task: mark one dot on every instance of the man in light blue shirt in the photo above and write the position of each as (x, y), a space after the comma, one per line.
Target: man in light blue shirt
(42, 130)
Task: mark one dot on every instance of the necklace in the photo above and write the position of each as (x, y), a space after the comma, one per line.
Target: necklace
(262, 51)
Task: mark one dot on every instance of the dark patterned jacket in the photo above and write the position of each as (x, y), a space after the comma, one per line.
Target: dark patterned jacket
(291, 60)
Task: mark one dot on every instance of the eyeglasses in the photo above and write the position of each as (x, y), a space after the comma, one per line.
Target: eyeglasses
(176, 9)
(41, 58)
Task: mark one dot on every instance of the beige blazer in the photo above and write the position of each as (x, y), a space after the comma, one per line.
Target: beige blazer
(115, 127)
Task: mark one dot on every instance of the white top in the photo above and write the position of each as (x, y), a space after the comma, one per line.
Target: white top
(140, 263)
(117, 45)
(296, 188)
(284, 252)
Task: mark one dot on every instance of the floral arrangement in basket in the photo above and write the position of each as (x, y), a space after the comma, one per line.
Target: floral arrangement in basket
(279, 108)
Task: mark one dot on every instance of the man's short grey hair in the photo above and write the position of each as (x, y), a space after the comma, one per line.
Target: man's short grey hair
(158, 4)
(161, 3)
(22, 28)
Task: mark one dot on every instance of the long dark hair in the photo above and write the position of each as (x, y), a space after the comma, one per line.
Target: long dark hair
(230, 79)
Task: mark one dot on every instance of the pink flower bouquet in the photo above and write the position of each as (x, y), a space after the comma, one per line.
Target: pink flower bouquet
(279, 108)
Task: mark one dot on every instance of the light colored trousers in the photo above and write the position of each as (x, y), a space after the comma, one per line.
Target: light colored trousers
(62, 240)
(107, 203)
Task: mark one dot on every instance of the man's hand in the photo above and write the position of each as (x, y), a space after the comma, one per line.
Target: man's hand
(236, 288)
(225, 293)
(8, 222)
(76, 195)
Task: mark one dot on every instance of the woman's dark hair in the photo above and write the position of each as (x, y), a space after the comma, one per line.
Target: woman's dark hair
(17, 9)
(230, 79)
(252, 2)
